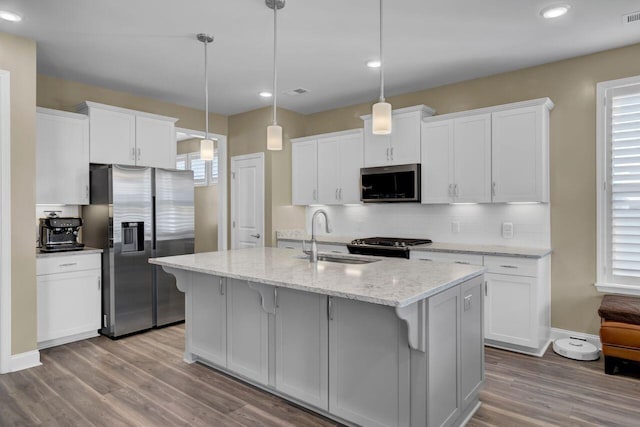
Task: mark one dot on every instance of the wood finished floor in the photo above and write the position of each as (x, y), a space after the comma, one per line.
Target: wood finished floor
(142, 381)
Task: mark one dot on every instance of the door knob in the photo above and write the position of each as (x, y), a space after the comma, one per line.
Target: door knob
(257, 236)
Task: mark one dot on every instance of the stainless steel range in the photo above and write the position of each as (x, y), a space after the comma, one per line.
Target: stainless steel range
(385, 246)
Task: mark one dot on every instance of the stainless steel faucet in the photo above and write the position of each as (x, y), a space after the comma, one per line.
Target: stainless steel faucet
(313, 256)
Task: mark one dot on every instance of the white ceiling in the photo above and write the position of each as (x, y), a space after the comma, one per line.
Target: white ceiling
(148, 47)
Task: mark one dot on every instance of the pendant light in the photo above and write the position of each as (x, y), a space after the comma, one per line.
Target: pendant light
(206, 144)
(381, 112)
(274, 131)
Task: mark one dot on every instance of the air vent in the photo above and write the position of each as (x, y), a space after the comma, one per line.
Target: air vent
(295, 92)
(631, 18)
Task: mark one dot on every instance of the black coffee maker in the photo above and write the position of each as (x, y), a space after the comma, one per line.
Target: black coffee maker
(59, 234)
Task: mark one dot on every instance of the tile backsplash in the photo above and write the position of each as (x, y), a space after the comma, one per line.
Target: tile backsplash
(473, 224)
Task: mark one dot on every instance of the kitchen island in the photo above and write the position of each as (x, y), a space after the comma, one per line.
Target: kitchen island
(366, 341)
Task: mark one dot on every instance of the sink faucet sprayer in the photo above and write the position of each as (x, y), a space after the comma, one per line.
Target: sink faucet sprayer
(313, 256)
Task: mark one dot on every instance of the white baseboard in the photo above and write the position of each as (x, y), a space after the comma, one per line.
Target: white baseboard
(66, 340)
(563, 333)
(29, 359)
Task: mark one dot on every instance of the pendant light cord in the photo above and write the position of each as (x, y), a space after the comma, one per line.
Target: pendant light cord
(381, 59)
(275, 51)
(206, 92)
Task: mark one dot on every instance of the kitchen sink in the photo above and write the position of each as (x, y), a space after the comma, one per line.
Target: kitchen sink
(340, 259)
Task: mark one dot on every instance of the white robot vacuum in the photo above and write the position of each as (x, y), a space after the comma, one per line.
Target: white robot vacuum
(576, 348)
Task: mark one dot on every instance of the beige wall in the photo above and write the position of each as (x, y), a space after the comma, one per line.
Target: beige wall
(248, 134)
(206, 207)
(62, 94)
(571, 84)
(18, 56)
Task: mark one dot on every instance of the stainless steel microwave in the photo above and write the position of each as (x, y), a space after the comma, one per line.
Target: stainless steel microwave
(390, 184)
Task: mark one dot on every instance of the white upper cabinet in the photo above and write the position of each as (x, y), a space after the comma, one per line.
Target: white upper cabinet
(156, 144)
(326, 168)
(437, 162)
(339, 163)
(496, 154)
(472, 159)
(304, 172)
(456, 160)
(128, 137)
(62, 157)
(520, 154)
(402, 146)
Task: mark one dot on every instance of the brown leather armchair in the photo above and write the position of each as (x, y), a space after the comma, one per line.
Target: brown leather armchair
(619, 330)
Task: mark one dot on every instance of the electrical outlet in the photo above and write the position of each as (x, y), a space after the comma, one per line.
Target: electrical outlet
(455, 227)
(507, 230)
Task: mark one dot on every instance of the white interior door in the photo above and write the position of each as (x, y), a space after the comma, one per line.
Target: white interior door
(247, 201)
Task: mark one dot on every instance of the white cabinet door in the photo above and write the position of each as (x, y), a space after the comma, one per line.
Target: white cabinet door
(351, 155)
(62, 158)
(471, 341)
(155, 143)
(208, 318)
(377, 148)
(302, 346)
(304, 173)
(519, 156)
(437, 162)
(472, 158)
(68, 304)
(112, 137)
(247, 332)
(405, 138)
(511, 313)
(328, 170)
(443, 358)
(368, 364)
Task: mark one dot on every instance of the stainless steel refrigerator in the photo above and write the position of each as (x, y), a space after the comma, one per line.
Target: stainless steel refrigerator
(137, 213)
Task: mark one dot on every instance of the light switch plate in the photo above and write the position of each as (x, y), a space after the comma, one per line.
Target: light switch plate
(507, 230)
(455, 226)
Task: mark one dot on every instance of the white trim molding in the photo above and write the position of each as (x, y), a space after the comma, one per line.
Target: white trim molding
(557, 333)
(5, 222)
(613, 288)
(605, 281)
(29, 359)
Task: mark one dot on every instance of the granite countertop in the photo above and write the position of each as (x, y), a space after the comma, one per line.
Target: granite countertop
(85, 251)
(461, 248)
(388, 281)
(496, 250)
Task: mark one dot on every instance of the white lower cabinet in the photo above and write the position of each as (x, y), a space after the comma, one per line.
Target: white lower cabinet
(69, 298)
(208, 318)
(302, 346)
(517, 303)
(471, 342)
(368, 364)
(447, 257)
(247, 332)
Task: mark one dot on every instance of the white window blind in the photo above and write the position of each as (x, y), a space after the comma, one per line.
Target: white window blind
(624, 141)
(213, 176)
(204, 172)
(199, 168)
(618, 150)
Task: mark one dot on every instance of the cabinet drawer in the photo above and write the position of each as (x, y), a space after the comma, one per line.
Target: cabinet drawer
(511, 265)
(447, 257)
(288, 244)
(67, 263)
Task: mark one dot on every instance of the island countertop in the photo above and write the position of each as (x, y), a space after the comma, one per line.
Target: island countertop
(393, 282)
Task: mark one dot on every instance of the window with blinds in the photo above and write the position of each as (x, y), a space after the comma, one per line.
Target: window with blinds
(204, 172)
(624, 141)
(618, 153)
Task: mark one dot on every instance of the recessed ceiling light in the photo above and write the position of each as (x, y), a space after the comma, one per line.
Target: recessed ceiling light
(266, 94)
(10, 16)
(555, 11)
(374, 63)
